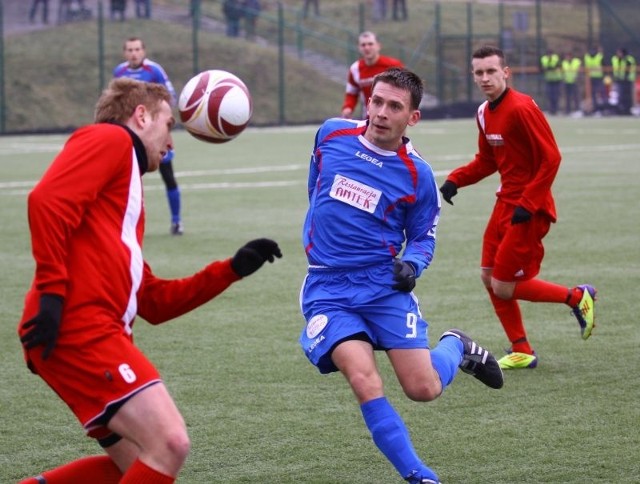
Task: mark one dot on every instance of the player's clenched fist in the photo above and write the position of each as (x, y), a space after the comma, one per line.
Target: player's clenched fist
(253, 254)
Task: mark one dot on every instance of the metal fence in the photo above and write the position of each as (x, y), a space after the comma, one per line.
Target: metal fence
(436, 42)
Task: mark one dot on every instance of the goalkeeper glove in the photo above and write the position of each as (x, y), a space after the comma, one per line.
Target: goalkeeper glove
(253, 254)
(44, 327)
(520, 215)
(405, 275)
(448, 190)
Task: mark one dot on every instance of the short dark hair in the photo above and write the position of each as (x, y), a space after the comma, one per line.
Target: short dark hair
(488, 51)
(403, 79)
(133, 39)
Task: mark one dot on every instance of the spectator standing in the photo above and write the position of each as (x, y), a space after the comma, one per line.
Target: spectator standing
(370, 196)
(516, 141)
(143, 8)
(86, 217)
(118, 9)
(362, 72)
(400, 10)
(34, 9)
(570, 72)
(623, 66)
(380, 10)
(252, 10)
(594, 70)
(551, 66)
(137, 66)
(315, 4)
(232, 10)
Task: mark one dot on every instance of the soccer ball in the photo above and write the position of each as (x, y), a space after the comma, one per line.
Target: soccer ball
(215, 106)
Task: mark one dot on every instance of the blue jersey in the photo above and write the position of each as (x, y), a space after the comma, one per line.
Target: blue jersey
(366, 203)
(149, 71)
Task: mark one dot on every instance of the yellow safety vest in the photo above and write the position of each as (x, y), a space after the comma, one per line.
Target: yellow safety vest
(593, 65)
(570, 69)
(551, 67)
(624, 69)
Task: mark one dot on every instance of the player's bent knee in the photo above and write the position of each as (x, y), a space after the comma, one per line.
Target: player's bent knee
(422, 393)
(501, 291)
(179, 445)
(485, 277)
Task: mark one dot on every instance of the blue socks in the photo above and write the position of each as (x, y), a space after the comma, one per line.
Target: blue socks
(446, 357)
(392, 438)
(174, 204)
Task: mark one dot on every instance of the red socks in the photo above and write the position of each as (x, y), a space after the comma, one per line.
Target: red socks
(141, 473)
(508, 312)
(533, 290)
(99, 469)
(536, 290)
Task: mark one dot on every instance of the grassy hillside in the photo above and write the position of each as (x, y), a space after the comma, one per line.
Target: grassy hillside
(53, 76)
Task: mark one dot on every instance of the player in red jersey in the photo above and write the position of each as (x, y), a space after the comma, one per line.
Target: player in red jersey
(362, 72)
(86, 217)
(516, 141)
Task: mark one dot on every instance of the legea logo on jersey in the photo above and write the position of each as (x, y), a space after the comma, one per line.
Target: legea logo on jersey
(369, 158)
(354, 193)
(495, 139)
(315, 325)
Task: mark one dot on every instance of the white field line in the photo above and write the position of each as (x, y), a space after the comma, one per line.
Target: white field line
(22, 188)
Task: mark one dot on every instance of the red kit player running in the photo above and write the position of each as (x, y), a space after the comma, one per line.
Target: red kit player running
(516, 141)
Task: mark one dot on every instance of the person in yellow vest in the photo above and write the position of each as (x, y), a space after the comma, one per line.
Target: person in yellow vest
(570, 71)
(552, 73)
(623, 66)
(594, 70)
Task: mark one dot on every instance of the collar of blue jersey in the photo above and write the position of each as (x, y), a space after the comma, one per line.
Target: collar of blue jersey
(141, 153)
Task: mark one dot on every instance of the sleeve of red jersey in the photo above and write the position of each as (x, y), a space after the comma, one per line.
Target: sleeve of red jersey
(160, 300)
(482, 165)
(352, 89)
(350, 101)
(58, 202)
(547, 155)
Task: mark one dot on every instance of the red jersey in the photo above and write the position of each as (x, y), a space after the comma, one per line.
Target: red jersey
(86, 217)
(360, 80)
(515, 140)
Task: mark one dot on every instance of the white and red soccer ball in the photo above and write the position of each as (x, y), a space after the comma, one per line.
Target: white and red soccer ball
(215, 106)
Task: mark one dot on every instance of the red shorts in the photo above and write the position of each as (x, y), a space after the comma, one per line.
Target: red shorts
(95, 378)
(514, 252)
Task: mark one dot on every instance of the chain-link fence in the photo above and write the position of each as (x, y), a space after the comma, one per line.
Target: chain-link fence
(295, 63)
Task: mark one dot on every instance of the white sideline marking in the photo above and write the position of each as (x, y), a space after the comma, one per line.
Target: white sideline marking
(22, 188)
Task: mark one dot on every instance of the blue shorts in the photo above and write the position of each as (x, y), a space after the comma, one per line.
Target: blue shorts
(341, 305)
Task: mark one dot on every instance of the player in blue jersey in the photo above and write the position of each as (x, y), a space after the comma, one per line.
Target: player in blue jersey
(137, 66)
(370, 194)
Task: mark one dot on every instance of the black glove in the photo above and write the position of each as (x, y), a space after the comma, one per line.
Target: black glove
(520, 215)
(448, 190)
(405, 274)
(252, 255)
(44, 327)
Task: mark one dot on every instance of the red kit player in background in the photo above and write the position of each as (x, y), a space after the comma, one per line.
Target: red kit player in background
(86, 217)
(516, 141)
(362, 72)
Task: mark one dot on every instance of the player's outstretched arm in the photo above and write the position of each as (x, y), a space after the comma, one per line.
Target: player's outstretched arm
(161, 300)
